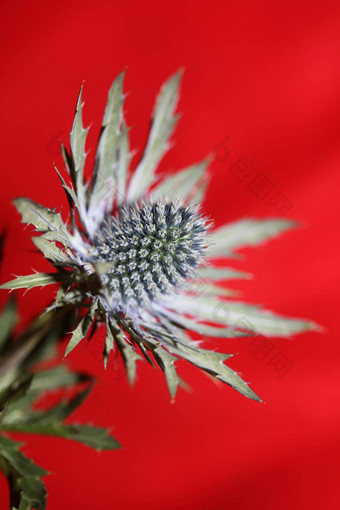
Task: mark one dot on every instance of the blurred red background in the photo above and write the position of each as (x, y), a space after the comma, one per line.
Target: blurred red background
(262, 83)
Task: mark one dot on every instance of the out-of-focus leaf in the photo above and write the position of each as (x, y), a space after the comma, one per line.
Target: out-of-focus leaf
(27, 489)
(35, 280)
(123, 165)
(163, 123)
(15, 391)
(246, 232)
(95, 437)
(8, 320)
(209, 289)
(242, 316)
(10, 451)
(221, 273)
(57, 377)
(183, 183)
(203, 329)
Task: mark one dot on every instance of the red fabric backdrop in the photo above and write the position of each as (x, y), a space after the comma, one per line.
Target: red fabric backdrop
(262, 83)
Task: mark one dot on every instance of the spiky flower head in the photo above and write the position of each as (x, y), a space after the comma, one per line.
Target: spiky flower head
(137, 255)
(150, 250)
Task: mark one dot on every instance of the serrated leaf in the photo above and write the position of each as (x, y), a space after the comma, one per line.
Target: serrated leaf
(81, 331)
(78, 136)
(33, 493)
(8, 320)
(105, 175)
(27, 490)
(51, 251)
(213, 363)
(221, 273)
(163, 123)
(44, 219)
(167, 363)
(246, 232)
(241, 316)
(95, 437)
(10, 451)
(183, 183)
(35, 280)
(129, 355)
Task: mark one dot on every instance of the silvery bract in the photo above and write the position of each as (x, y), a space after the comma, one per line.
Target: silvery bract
(138, 255)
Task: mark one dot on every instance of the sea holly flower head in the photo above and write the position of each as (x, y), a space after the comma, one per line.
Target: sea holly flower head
(138, 255)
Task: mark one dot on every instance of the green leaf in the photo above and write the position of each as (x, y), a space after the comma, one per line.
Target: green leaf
(108, 344)
(163, 123)
(51, 251)
(105, 175)
(15, 391)
(44, 219)
(26, 489)
(221, 273)
(78, 136)
(241, 316)
(123, 165)
(57, 377)
(130, 356)
(10, 451)
(246, 232)
(95, 437)
(213, 363)
(183, 183)
(209, 289)
(80, 332)
(35, 280)
(203, 329)
(8, 320)
(167, 363)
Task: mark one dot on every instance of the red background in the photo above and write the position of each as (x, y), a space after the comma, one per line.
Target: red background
(266, 75)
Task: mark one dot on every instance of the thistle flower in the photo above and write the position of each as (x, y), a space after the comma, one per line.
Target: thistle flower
(138, 255)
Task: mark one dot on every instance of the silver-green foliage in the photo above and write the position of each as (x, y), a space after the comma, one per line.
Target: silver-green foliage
(157, 329)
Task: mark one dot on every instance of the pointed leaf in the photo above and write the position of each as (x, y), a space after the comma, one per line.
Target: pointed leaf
(80, 332)
(246, 232)
(44, 219)
(167, 363)
(78, 136)
(182, 184)
(95, 437)
(221, 273)
(35, 280)
(105, 176)
(213, 363)
(10, 451)
(163, 123)
(241, 316)
(51, 251)
(129, 354)
(8, 320)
